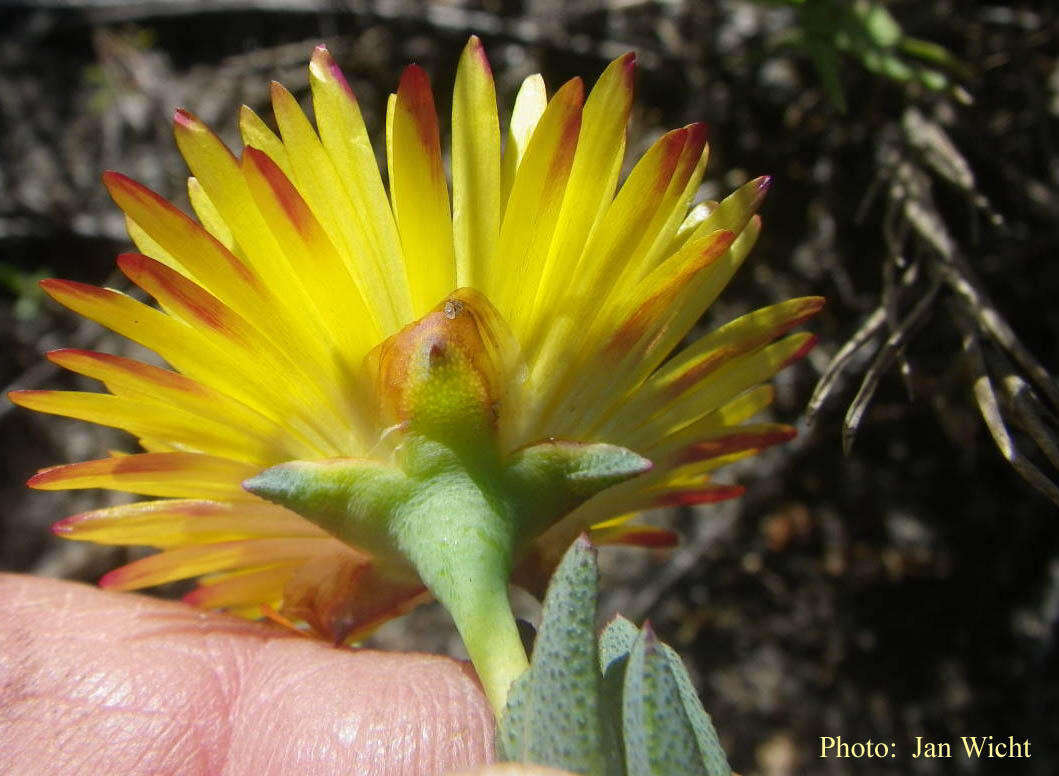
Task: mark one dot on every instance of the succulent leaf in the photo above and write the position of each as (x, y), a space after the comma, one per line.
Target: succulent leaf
(622, 707)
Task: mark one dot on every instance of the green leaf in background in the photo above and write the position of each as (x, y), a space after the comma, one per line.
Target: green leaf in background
(624, 708)
(24, 284)
(866, 31)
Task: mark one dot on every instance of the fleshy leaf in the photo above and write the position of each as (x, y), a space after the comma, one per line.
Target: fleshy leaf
(552, 716)
(665, 728)
(632, 712)
(659, 739)
(705, 736)
(615, 643)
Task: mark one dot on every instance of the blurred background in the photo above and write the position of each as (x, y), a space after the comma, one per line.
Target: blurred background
(892, 573)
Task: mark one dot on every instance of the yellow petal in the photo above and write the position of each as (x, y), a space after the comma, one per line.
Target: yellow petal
(530, 104)
(208, 216)
(699, 361)
(186, 349)
(322, 190)
(141, 417)
(206, 259)
(193, 561)
(139, 381)
(346, 141)
(597, 163)
(256, 134)
(148, 246)
(727, 382)
(736, 209)
(420, 193)
(339, 302)
(177, 522)
(732, 413)
(475, 166)
(217, 170)
(628, 220)
(243, 588)
(166, 475)
(635, 535)
(533, 207)
(632, 335)
(271, 372)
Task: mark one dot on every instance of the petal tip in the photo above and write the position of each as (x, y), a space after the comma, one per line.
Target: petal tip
(802, 351)
(66, 526)
(112, 579)
(20, 397)
(185, 119)
(194, 598)
(414, 80)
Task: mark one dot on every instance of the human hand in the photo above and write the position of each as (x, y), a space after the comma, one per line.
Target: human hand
(97, 682)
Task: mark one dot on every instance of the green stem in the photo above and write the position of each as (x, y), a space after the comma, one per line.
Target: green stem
(458, 531)
(494, 646)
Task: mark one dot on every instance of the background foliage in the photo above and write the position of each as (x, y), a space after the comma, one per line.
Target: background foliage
(909, 587)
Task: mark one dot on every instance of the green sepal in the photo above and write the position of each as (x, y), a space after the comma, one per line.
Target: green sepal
(553, 710)
(350, 498)
(550, 479)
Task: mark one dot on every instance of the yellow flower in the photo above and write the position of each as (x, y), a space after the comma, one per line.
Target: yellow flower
(309, 315)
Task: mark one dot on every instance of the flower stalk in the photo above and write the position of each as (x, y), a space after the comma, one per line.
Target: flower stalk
(458, 530)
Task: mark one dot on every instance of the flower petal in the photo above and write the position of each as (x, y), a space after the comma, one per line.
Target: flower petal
(195, 560)
(754, 437)
(475, 165)
(208, 216)
(351, 326)
(697, 362)
(635, 334)
(273, 373)
(533, 208)
(180, 345)
(178, 522)
(206, 260)
(727, 382)
(166, 475)
(345, 139)
(217, 171)
(530, 104)
(143, 418)
(597, 163)
(419, 192)
(257, 134)
(344, 596)
(634, 535)
(243, 588)
(320, 187)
